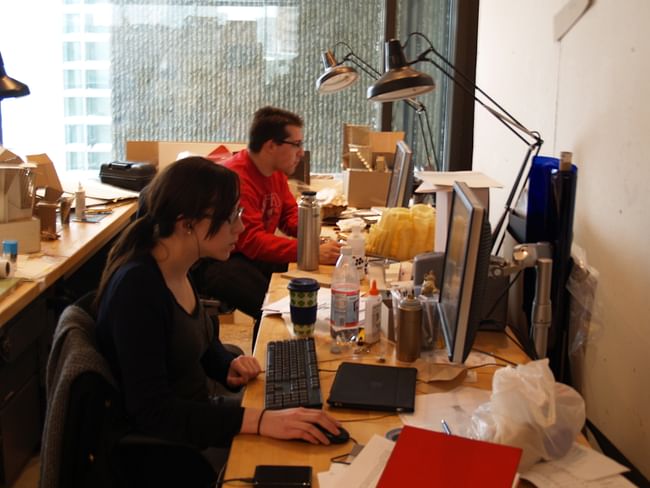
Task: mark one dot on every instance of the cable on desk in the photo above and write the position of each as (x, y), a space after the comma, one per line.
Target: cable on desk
(368, 419)
(485, 365)
(495, 356)
(245, 481)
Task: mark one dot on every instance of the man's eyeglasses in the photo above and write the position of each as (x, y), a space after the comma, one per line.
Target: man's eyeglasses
(235, 215)
(297, 144)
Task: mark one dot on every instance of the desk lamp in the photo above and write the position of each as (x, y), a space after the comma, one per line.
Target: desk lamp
(9, 88)
(338, 76)
(398, 83)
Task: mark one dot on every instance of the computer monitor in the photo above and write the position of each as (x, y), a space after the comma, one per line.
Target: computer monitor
(401, 179)
(465, 272)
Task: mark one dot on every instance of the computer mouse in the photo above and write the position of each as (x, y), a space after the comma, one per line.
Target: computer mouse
(341, 438)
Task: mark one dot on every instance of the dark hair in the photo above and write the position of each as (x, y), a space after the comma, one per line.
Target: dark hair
(269, 123)
(190, 188)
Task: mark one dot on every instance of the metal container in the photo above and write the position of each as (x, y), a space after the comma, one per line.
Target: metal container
(308, 231)
(409, 332)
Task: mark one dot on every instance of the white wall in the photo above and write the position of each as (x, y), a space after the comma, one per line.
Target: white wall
(587, 94)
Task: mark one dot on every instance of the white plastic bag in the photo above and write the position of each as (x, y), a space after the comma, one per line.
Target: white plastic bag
(528, 409)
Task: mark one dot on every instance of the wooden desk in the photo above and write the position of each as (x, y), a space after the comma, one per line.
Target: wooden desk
(78, 242)
(28, 316)
(250, 450)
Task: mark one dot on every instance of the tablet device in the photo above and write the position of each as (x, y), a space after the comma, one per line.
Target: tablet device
(371, 387)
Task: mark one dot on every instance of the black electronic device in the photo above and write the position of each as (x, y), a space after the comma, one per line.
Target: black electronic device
(292, 375)
(271, 476)
(401, 179)
(341, 438)
(372, 387)
(465, 272)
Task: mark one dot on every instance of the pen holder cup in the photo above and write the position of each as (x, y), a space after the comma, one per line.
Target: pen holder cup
(430, 324)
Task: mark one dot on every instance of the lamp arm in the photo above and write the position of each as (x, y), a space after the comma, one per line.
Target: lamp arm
(362, 65)
(505, 117)
(418, 107)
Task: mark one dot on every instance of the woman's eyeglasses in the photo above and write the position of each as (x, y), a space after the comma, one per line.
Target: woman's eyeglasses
(235, 215)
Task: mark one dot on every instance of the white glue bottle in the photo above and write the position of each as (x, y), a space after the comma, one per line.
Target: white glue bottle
(372, 322)
(80, 203)
(357, 242)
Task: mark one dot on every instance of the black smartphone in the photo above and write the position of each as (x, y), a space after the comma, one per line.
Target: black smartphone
(267, 476)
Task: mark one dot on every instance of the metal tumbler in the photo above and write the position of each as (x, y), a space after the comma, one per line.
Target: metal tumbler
(308, 231)
(409, 332)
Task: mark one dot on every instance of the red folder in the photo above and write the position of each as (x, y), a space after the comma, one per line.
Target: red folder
(427, 458)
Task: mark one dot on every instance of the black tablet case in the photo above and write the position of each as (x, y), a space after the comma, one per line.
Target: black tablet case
(370, 387)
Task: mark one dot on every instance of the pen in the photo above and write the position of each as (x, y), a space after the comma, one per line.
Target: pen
(445, 427)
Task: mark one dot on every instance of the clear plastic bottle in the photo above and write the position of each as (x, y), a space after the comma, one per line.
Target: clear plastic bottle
(344, 310)
(357, 242)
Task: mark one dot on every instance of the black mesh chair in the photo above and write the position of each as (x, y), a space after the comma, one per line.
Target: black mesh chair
(87, 440)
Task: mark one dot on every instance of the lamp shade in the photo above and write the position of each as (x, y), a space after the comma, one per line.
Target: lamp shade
(399, 81)
(10, 88)
(336, 76)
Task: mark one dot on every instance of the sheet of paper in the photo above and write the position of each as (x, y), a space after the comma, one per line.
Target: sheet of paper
(282, 306)
(474, 179)
(97, 190)
(546, 475)
(365, 470)
(588, 464)
(35, 268)
(455, 407)
(327, 479)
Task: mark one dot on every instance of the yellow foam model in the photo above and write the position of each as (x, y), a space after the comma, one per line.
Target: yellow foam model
(402, 233)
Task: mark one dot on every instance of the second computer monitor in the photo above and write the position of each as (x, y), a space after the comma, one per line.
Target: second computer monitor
(401, 180)
(465, 272)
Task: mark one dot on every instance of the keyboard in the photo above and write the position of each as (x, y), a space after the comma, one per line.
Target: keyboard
(292, 375)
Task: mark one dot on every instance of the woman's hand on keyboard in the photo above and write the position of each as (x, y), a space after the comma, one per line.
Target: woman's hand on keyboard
(298, 423)
(242, 370)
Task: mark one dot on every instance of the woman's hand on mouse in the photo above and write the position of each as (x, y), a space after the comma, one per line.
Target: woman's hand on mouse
(298, 423)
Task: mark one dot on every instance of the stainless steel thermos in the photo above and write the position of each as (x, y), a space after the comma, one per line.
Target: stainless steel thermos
(308, 231)
(409, 333)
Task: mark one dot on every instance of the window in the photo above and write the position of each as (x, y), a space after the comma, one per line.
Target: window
(71, 51)
(74, 134)
(73, 107)
(99, 134)
(196, 71)
(99, 106)
(96, 78)
(71, 79)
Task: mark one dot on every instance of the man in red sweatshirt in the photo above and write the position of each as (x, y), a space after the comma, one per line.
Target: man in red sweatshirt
(275, 148)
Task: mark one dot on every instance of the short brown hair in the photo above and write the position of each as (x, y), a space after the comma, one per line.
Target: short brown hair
(269, 124)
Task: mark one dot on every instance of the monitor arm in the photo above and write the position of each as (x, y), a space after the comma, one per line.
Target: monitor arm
(527, 256)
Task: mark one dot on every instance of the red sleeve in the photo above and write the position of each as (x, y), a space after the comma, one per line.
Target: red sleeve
(256, 242)
(289, 216)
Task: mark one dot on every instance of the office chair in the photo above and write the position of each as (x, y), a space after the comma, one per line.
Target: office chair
(86, 439)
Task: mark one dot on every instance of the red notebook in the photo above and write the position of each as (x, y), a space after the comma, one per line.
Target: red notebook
(427, 458)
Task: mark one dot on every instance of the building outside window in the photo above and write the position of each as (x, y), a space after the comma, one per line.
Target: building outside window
(131, 70)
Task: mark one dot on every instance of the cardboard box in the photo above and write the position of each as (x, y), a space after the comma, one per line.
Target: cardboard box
(441, 182)
(366, 189)
(27, 232)
(162, 153)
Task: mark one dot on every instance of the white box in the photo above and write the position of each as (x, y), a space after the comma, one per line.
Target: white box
(27, 232)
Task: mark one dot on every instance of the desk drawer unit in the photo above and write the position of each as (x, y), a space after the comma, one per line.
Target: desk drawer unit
(20, 392)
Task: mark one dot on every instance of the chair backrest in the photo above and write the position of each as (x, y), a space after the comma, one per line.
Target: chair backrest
(86, 439)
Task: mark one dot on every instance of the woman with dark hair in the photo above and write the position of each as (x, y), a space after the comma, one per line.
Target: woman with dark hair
(152, 329)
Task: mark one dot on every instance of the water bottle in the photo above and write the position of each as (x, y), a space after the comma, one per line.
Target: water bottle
(357, 242)
(308, 231)
(344, 310)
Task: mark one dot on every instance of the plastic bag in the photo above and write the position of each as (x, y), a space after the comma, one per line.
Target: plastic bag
(528, 409)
